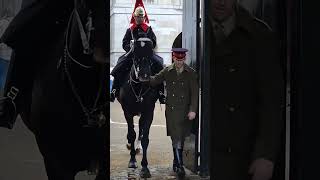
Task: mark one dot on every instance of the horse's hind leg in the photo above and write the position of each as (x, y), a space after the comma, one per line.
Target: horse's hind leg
(131, 136)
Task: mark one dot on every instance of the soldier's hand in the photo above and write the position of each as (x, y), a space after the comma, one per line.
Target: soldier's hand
(191, 115)
(261, 169)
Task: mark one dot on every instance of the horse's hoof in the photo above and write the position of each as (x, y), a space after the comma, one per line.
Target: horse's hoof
(145, 173)
(133, 164)
(128, 146)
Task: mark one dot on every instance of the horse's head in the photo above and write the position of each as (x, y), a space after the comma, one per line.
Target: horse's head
(143, 52)
(86, 76)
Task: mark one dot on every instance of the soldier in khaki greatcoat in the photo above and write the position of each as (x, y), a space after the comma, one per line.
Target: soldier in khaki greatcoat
(181, 102)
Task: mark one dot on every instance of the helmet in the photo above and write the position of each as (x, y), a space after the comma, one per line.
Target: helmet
(139, 11)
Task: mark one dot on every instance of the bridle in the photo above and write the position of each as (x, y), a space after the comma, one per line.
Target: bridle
(94, 115)
(132, 81)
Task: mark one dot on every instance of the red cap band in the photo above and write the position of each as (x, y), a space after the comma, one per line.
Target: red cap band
(179, 56)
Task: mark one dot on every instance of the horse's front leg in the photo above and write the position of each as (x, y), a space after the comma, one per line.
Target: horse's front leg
(148, 118)
(103, 169)
(131, 136)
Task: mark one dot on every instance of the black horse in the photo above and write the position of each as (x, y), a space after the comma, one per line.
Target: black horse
(68, 106)
(138, 98)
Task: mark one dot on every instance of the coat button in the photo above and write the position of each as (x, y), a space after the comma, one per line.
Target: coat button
(173, 95)
(232, 109)
(232, 70)
(229, 150)
(173, 82)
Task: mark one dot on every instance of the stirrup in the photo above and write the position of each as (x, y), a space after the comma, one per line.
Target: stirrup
(113, 95)
(114, 91)
(13, 93)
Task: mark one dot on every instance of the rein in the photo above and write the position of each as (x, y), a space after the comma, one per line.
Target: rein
(139, 97)
(85, 41)
(93, 119)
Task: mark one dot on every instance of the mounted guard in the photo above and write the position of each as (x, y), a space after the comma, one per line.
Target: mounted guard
(139, 28)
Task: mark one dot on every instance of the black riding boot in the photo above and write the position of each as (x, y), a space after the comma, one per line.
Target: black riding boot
(180, 169)
(175, 160)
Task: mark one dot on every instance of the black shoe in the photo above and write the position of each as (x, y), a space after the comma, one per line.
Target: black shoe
(181, 172)
(174, 166)
(8, 112)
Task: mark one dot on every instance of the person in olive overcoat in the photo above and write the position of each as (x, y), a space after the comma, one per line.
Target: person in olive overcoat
(247, 89)
(181, 102)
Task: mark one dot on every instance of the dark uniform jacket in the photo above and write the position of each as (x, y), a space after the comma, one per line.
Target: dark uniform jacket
(138, 33)
(124, 63)
(246, 98)
(182, 98)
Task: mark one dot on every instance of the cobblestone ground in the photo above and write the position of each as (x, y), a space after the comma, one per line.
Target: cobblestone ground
(159, 150)
(157, 173)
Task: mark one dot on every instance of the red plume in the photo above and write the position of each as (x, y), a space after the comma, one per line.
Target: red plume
(145, 24)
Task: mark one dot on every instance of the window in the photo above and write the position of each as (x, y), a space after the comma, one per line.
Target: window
(150, 1)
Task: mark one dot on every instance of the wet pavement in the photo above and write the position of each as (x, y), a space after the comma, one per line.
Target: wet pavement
(157, 173)
(20, 158)
(159, 151)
